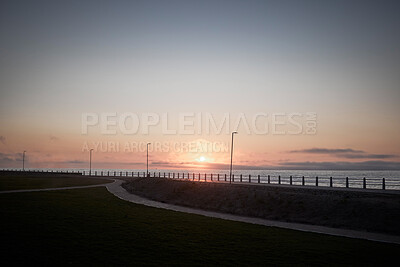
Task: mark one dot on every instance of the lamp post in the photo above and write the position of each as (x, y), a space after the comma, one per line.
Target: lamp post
(230, 171)
(147, 172)
(23, 161)
(90, 162)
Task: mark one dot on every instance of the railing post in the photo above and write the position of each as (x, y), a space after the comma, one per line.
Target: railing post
(258, 178)
(249, 178)
(173, 175)
(279, 179)
(330, 182)
(199, 177)
(225, 177)
(269, 180)
(383, 184)
(364, 183)
(290, 180)
(240, 178)
(303, 181)
(126, 174)
(169, 175)
(233, 178)
(159, 174)
(211, 177)
(347, 182)
(193, 176)
(178, 175)
(205, 177)
(316, 181)
(218, 177)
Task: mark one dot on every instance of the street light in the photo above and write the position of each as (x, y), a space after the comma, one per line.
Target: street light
(147, 173)
(23, 161)
(230, 171)
(90, 162)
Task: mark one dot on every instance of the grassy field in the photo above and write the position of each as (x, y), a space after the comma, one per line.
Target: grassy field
(15, 181)
(91, 226)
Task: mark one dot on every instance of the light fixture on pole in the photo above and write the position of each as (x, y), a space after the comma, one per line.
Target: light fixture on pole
(230, 171)
(147, 172)
(90, 162)
(23, 161)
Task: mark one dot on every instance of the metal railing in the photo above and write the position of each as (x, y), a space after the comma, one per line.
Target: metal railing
(334, 182)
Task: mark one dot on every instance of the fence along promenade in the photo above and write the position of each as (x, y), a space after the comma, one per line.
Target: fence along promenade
(334, 182)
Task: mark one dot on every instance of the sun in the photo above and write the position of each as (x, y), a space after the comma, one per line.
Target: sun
(202, 158)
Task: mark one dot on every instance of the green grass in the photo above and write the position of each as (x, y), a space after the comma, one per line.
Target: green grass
(18, 182)
(91, 226)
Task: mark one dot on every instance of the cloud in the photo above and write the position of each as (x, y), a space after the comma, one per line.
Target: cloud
(205, 165)
(367, 156)
(75, 161)
(346, 153)
(2, 140)
(6, 158)
(341, 165)
(53, 138)
(10, 159)
(327, 151)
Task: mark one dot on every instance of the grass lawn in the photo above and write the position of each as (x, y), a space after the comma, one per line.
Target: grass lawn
(35, 181)
(91, 226)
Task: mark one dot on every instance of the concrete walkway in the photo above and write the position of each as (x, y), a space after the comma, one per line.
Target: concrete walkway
(53, 188)
(116, 189)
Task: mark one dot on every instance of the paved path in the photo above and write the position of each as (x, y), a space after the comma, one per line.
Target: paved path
(52, 189)
(116, 189)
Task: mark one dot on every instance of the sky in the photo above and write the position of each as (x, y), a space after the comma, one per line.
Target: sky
(317, 83)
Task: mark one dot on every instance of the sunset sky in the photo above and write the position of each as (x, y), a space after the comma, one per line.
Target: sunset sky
(63, 59)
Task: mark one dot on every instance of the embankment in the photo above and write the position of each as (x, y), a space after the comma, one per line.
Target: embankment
(366, 211)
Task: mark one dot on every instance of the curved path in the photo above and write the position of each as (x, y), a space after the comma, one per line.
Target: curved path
(54, 188)
(116, 189)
